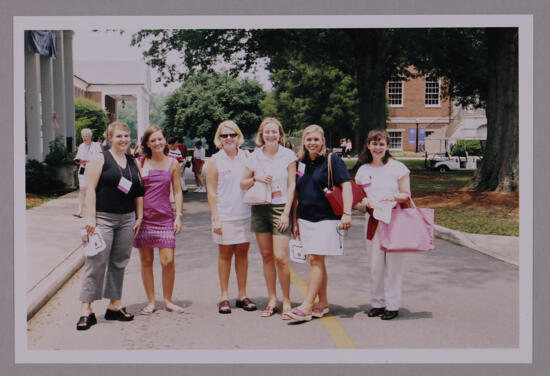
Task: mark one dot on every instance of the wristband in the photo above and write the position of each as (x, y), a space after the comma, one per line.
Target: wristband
(347, 213)
(140, 218)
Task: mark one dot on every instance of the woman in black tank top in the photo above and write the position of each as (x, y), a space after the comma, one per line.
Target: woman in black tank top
(115, 210)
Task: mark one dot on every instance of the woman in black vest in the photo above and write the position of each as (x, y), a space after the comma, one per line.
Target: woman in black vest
(115, 210)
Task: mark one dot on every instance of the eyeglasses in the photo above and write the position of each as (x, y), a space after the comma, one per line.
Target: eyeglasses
(232, 135)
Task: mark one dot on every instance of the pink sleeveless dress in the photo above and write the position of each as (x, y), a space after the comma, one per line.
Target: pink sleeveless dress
(157, 227)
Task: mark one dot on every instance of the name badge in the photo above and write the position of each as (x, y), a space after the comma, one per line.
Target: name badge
(301, 169)
(124, 185)
(276, 192)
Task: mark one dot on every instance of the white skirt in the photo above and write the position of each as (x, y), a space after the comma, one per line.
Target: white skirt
(321, 238)
(233, 232)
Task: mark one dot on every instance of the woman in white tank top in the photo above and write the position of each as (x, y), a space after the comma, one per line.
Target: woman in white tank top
(230, 216)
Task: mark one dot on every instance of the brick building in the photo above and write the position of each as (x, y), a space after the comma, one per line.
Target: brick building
(422, 119)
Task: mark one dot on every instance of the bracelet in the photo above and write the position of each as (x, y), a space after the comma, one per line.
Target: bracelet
(140, 218)
(347, 213)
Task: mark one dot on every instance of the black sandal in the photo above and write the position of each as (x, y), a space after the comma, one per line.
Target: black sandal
(119, 315)
(85, 322)
(224, 307)
(246, 304)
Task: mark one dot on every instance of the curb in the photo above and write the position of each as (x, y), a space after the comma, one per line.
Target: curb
(46, 288)
(496, 246)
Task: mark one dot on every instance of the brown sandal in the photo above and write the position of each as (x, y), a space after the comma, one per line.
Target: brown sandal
(246, 304)
(224, 307)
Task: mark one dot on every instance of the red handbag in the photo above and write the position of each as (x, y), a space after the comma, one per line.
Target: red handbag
(333, 193)
(410, 230)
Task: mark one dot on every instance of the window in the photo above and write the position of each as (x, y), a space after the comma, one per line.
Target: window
(431, 98)
(396, 140)
(395, 93)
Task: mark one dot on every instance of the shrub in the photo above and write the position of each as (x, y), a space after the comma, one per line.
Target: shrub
(58, 154)
(40, 178)
(473, 147)
(88, 114)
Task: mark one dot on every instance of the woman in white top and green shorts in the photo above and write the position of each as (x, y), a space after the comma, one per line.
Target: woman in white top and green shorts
(230, 216)
(275, 165)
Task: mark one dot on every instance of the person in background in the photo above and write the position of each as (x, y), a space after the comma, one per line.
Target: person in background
(387, 183)
(115, 210)
(230, 215)
(183, 150)
(288, 145)
(97, 141)
(159, 226)
(86, 151)
(106, 145)
(273, 164)
(348, 148)
(315, 224)
(199, 156)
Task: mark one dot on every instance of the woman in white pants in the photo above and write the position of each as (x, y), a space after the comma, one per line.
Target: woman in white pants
(386, 182)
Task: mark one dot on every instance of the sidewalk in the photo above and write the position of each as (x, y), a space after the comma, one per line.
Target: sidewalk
(54, 251)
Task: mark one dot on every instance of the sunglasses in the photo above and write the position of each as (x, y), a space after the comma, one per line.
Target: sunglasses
(232, 135)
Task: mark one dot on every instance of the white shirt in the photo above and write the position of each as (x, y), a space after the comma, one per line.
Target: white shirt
(276, 166)
(381, 182)
(199, 153)
(87, 152)
(229, 195)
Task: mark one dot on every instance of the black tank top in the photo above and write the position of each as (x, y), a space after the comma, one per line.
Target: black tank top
(109, 198)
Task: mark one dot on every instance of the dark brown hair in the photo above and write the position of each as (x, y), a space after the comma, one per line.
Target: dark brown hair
(152, 129)
(375, 135)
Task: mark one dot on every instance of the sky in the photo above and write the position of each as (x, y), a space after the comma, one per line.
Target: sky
(111, 45)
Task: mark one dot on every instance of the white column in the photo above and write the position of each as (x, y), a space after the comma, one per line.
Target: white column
(32, 109)
(59, 86)
(142, 114)
(69, 86)
(46, 89)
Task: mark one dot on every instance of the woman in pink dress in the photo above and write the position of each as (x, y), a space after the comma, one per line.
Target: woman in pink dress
(159, 226)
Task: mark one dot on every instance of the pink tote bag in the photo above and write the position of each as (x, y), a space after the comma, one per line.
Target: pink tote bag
(410, 230)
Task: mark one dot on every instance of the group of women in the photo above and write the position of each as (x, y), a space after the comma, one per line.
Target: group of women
(297, 208)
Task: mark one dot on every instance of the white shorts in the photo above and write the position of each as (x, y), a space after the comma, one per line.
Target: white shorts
(233, 232)
(81, 181)
(321, 238)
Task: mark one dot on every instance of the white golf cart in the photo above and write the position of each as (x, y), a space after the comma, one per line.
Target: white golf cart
(444, 162)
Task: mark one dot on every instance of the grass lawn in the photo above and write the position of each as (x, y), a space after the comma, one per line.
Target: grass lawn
(459, 208)
(33, 200)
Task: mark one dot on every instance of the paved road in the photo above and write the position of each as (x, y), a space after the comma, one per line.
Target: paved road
(453, 297)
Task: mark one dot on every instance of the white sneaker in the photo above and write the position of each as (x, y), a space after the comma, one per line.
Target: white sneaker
(203, 190)
(197, 190)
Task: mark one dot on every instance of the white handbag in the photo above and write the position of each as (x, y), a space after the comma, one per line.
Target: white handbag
(258, 194)
(296, 251)
(94, 245)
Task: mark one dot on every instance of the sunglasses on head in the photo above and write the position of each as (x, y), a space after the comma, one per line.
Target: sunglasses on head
(232, 135)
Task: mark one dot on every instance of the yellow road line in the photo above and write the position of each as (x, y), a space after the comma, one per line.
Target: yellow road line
(336, 331)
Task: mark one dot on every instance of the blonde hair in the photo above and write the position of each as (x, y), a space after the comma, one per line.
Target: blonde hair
(313, 128)
(231, 125)
(260, 136)
(116, 125)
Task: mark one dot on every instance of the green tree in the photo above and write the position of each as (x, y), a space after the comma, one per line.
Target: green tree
(127, 113)
(88, 114)
(314, 94)
(156, 108)
(206, 99)
(481, 67)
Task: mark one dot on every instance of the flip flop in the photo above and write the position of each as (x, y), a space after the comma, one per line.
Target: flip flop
(319, 311)
(269, 311)
(178, 309)
(298, 315)
(77, 215)
(147, 310)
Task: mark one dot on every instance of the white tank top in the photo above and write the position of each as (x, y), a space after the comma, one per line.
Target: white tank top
(230, 195)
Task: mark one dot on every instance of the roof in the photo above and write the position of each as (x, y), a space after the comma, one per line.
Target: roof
(114, 72)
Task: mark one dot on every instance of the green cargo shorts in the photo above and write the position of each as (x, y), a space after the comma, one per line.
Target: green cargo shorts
(265, 218)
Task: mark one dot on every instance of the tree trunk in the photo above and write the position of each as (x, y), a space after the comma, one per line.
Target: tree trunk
(371, 75)
(499, 169)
